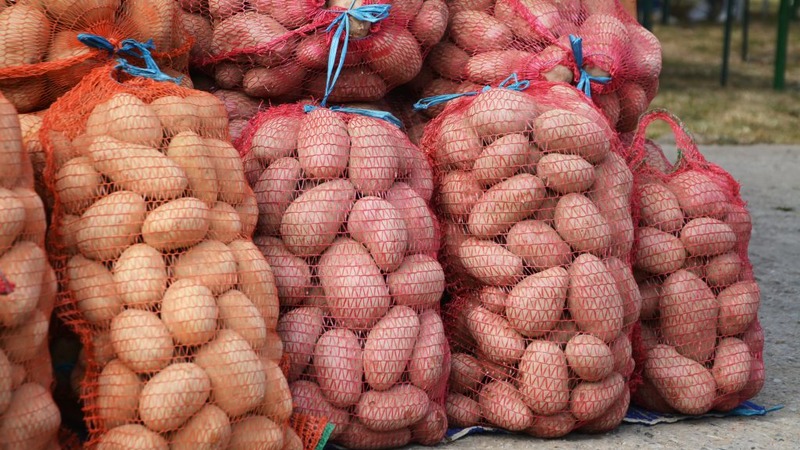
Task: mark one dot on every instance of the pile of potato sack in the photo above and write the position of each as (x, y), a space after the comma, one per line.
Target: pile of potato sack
(260, 241)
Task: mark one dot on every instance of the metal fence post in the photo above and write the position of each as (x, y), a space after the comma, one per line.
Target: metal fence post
(779, 82)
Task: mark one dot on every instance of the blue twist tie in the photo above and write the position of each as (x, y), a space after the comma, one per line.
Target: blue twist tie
(382, 115)
(434, 100)
(367, 13)
(130, 47)
(585, 81)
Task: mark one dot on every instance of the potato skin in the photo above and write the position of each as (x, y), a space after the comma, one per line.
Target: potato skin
(535, 304)
(543, 378)
(659, 207)
(732, 364)
(707, 237)
(426, 366)
(738, 307)
(579, 222)
(698, 195)
(418, 283)
(594, 300)
(539, 245)
(684, 295)
(462, 411)
(658, 252)
(299, 330)
(495, 337)
(358, 437)
(338, 367)
(393, 409)
(389, 347)
(307, 398)
(505, 204)
(589, 399)
(465, 373)
(490, 262)
(502, 405)
(589, 357)
(684, 383)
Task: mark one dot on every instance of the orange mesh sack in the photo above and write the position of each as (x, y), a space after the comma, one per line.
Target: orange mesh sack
(41, 57)
(345, 223)
(702, 342)
(29, 418)
(175, 306)
(275, 49)
(534, 197)
(593, 44)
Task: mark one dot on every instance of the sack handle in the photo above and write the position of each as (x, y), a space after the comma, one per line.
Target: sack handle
(687, 148)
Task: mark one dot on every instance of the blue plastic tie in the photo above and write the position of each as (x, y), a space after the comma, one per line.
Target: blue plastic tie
(434, 100)
(585, 81)
(382, 115)
(130, 47)
(367, 13)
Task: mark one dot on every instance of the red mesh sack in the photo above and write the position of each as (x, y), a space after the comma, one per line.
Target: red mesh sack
(175, 306)
(344, 221)
(534, 196)
(29, 418)
(487, 40)
(279, 50)
(701, 340)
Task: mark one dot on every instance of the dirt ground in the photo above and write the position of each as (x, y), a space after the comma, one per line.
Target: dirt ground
(770, 178)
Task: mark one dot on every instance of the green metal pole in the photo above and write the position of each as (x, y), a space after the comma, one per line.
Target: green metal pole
(665, 11)
(726, 44)
(745, 29)
(779, 82)
(647, 14)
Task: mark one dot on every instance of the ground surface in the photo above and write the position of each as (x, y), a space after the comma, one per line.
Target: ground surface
(770, 176)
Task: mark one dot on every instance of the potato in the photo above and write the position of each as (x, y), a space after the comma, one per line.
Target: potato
(571, 133)
(478, 32)
(34, 221)
(500, 112)
(462, 411)
(594, 300)
(739, 219)
(308, 399)
(188, 151)
(612, 417)
(189, 312)
(356, 292)
(173, 395)
(6, 381)
(684, 383)
(276, 138)
(93, 289)
(289, 15)
(125, 118)
(238, 313)
(628, 289)
(292, 274)
(110, 225)
(493, 298)
(178, 115)
(458, 193)
(359, 437)
(291, 441)
(539, 246)
(421, 224)
(622, 350)
(738, 307)
(494, 336)
(209, 429)
(723, 270)
(489, 68)
(579, 222)
(756, 380)
(26, 341)
(392, 409)
(501, 159)
(140, 274)
(31, 418)
(659, 208)
(589, 357)
(465, 374)
(275, 189)
(338, 367)
(684, 295)
(229, 170)
(277, 403)
(280, 81)
(536, 303)
(698, 195)
(732, 365)
(651, 293)
(589, 400)
(389, 346)
(658, 252)
(311, 222)
(248, 214)
(565, 173)
(504, 204)
(312, 53)
(428, 28)
(543, 378)
(564, 330)
(118, 393)
(299, 329)
(131, 436)
(426, 366)
(394, 54)
(378, 225)
(431, 429)
(238, 381)
(493, 370)
(355, 84)
(553, 426)
(647, 396)
(502, 405)
(209, 262)
(489, 262)
(141, 341)
(255, 280)
(77, 185)
(224, 223)
(417, 283)
(256, 432)
(458, 145)
(707, 237)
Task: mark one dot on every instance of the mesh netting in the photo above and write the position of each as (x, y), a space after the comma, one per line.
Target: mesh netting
(176, 307)
(29, 418)
(534, 194)
(41, 57)
(279, 50)
(345, 223)
(487, 40)
(701, 339)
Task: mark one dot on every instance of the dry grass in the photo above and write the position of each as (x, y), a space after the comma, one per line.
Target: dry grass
(748, 110)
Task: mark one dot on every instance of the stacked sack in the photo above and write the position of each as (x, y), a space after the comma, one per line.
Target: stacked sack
(535, 199)
(29, 418)
(701, 337)
(616, 62)
(345, 223)
(174, 304)
(279, 50)
(41, 57)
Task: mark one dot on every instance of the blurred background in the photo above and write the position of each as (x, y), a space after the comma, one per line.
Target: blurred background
(747, 110)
